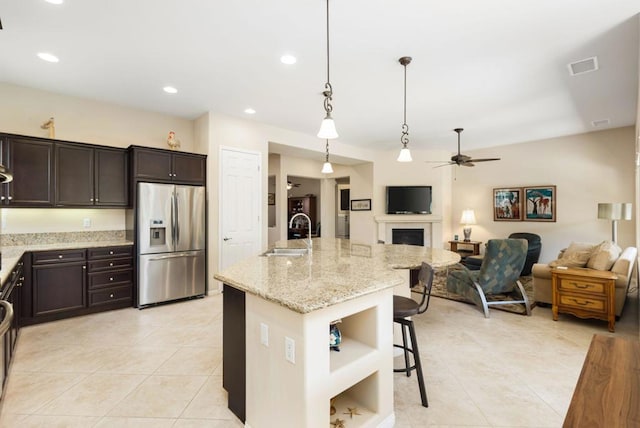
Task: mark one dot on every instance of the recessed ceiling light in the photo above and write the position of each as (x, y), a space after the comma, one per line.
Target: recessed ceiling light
(170, 90)
(249, 111)
(288, 59)
(48, 57)
(55, 1)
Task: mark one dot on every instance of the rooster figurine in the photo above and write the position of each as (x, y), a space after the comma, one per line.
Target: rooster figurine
(172, 141)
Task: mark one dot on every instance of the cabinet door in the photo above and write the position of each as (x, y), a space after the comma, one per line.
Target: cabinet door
(189, 168)
(152, 165)
(31, 161)
(74, 175)
(111, 177)
(58, 287)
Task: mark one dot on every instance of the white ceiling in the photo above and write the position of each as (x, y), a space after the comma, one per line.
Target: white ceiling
(497, 68)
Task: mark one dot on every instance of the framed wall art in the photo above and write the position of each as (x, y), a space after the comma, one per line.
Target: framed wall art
(540, 203)
(507, 204)
(361, 205)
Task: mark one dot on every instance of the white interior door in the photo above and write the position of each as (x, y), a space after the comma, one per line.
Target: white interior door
(240, 206)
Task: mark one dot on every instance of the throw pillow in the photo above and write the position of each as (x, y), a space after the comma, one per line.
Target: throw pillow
(577, 255)
(604, 256)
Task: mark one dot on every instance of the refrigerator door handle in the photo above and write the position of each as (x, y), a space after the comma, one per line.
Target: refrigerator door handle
(172, 256)
(177, 221)
(173, 222)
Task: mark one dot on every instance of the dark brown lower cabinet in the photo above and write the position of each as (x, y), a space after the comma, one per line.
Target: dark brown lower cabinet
(69, 283)
(11, 292)
(59, 287)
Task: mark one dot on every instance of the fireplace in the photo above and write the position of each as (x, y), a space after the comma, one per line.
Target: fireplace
(430, 225)
(407, 236)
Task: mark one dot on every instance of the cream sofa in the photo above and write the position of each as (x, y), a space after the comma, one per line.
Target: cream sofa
(623, 266)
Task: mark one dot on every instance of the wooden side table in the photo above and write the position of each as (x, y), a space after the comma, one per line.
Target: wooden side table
(475, 244)
(585, 293)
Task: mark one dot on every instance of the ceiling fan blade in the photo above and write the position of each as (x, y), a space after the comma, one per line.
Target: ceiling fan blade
(444, 164)
(484, 160)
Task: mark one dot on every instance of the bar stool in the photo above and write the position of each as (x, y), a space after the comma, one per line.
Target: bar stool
(403, 308)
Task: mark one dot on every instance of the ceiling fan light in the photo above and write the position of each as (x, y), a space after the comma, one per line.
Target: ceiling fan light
(405, 155)
(327, 168)
(328, 129)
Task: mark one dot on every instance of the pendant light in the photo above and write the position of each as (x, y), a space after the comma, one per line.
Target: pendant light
(328, 127)
(327, 168)
(405, 154)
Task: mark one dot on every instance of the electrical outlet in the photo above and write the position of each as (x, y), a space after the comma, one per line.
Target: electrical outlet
(290, 349)
(264, 334)
(86, 222)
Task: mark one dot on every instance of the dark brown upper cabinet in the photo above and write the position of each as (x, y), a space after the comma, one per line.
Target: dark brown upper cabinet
(30, 160)
(90, 176)
(168, 166)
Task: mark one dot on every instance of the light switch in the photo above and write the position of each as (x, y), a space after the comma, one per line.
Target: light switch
(264, 334)
(86, 222)
(290, 349)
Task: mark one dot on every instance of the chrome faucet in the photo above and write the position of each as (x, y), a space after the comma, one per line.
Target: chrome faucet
(310, 244)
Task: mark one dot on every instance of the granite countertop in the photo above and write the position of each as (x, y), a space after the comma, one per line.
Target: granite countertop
(338, 270)
(12, 254)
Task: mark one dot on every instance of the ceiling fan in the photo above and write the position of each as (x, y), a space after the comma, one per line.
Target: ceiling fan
(464, 160)
(291, 185)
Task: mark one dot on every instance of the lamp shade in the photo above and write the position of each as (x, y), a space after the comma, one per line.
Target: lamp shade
(405, 155)
(468, 217)
(328, 128)
(615, 211)
(327, 168)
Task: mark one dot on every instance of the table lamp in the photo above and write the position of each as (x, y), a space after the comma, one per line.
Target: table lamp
(614, 212)
(468, 218)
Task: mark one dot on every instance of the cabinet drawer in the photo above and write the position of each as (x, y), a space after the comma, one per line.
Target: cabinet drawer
(111, 264)
(109, 252)
(582, 285)
(110, 279)
(60, 256)
(583, 302)
(110, 295)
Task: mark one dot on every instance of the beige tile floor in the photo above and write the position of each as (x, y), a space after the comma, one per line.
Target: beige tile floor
(161, 367)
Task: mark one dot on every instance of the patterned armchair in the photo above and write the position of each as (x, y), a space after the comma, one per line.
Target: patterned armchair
(497, 282)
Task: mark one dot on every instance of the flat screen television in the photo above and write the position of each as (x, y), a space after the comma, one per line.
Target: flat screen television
(408, 199)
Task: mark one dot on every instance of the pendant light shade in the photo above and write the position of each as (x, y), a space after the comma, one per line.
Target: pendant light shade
(327, 168)
(328, 127)
(405, 154)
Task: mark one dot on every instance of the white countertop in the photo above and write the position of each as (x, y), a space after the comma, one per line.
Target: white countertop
(337, 270)
(12, 254)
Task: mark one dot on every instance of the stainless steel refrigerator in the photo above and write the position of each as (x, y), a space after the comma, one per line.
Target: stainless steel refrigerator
(171, 242)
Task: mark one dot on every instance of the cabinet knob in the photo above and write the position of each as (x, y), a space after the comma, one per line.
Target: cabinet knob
(21, 278)
(2, 198)
(84, 267)
(91, 200)
(111, 295)
(110, 252)
(170, 175)
(10, 197)
(59, 256)
(110, 279)
(110, 264)
(97, 200)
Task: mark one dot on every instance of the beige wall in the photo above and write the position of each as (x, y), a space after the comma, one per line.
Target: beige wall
(23, 110)
(586, 168)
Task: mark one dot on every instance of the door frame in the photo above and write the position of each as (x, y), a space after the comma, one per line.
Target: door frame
(262, 207)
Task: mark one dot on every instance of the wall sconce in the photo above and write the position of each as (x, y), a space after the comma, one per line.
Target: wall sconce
(468, 218)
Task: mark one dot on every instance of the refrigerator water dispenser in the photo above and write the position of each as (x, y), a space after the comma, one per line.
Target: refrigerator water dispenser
(157, 235)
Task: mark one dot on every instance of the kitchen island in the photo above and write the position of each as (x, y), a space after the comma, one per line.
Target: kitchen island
(277, 311)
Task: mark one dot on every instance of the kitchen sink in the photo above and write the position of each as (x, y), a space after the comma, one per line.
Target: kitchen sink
(286, 252)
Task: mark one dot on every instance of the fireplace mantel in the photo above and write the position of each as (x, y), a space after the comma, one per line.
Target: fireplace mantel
(431, 224)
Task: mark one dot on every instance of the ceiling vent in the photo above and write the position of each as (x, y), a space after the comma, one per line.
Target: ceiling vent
(583, 66)
(600, 122)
